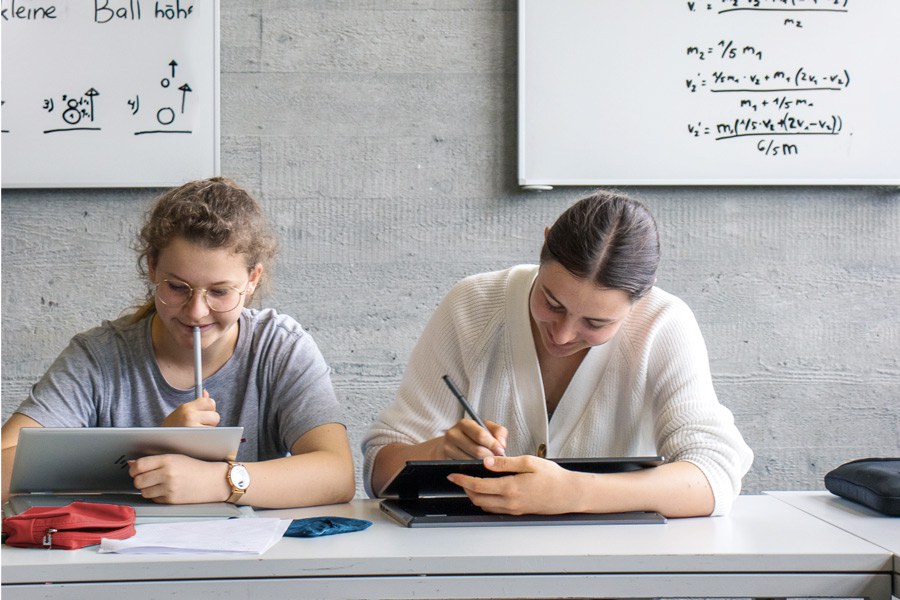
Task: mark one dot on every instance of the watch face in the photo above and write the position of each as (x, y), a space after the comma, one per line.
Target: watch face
(240, 477)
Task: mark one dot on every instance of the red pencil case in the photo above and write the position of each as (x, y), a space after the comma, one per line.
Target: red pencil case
(69, 527)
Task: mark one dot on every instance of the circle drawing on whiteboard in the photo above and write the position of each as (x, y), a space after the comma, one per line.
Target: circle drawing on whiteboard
(165, 116)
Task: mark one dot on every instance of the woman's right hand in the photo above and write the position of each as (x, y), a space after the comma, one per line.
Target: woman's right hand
(465, 440)
(179, 479)
(468, 439)
(196, 413)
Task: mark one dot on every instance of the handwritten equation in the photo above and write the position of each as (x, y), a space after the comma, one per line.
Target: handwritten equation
(756, 92)
(709, 92)
(787, 124)
(726, 6)
(800, 79)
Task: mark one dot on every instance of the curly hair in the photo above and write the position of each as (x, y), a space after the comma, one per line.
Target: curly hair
(214, 213)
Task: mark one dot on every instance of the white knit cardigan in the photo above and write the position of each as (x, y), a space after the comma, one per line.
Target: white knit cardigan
(647, 391)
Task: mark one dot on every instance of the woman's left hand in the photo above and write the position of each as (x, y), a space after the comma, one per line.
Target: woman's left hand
(179, 479)
(534, 486)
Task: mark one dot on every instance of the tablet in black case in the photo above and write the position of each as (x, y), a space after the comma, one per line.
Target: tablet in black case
(421, 495)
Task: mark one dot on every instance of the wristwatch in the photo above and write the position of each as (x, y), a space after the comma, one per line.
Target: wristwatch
(238, 478)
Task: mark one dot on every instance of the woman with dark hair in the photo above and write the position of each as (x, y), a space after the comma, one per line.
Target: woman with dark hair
(579, 356)
(203, 249)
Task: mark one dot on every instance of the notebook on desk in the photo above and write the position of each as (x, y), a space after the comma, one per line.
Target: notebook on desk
(56, 466)
(421, 496)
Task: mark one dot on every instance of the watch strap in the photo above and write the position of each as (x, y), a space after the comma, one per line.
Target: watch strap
(236, 492)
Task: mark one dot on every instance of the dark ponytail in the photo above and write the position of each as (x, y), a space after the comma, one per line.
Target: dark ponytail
(608, 238)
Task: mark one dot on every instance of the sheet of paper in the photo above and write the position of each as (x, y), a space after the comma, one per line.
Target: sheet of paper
(241, 536)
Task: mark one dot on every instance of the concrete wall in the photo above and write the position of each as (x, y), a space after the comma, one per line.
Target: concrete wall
(380, 136)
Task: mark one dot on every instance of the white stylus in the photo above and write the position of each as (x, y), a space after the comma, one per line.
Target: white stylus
(198, 365)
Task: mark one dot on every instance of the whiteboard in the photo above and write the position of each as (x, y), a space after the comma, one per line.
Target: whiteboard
(647, 92)
(109, 93)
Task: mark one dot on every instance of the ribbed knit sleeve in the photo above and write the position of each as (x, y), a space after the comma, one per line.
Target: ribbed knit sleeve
(689, 422)
(452, 343)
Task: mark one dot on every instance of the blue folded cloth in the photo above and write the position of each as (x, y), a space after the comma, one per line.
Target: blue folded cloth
(319, 526)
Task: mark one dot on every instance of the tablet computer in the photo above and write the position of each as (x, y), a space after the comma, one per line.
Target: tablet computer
(421, 495)
(460, 512)
(95, 459)
(57, 465)
(428, 478)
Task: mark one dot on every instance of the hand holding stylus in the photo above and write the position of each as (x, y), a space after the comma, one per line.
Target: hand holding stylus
(201, 411)
(475, 438)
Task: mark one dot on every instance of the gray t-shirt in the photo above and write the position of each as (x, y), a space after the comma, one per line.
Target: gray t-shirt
(276, 384)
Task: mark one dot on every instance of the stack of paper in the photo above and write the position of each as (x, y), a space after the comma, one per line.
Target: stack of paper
(241, 536)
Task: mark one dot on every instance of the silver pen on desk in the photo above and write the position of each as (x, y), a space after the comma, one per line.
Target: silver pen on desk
(465, 403)
(198, 364)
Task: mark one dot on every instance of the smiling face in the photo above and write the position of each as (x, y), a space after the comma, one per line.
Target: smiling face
(572, 314)
(213, 269)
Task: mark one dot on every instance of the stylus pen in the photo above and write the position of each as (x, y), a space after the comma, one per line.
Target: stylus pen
(465, 403)
(198, 365)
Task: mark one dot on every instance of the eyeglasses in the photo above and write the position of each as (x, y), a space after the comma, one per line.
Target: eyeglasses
(218, 299)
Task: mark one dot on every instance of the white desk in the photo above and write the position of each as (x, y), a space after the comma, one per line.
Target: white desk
(868, 524)
(764, 548)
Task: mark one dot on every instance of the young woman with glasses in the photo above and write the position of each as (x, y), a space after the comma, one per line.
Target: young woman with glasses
(578, 356)
(204, 249)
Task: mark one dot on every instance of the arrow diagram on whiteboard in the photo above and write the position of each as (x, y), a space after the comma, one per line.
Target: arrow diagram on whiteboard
(173, 64)
(184, 91)
(90, 94)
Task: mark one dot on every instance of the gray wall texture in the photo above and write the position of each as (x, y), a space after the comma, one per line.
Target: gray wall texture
(380, 135)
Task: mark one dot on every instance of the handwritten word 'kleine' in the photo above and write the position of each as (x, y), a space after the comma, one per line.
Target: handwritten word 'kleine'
(16, 10)
(131, 11)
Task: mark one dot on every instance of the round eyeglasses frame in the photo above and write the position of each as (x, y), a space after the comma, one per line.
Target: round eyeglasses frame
(193, 290)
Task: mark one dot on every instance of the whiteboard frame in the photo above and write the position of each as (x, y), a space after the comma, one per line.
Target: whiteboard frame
(530, 182)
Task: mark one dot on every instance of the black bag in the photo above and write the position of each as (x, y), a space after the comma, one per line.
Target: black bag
(872, 482)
